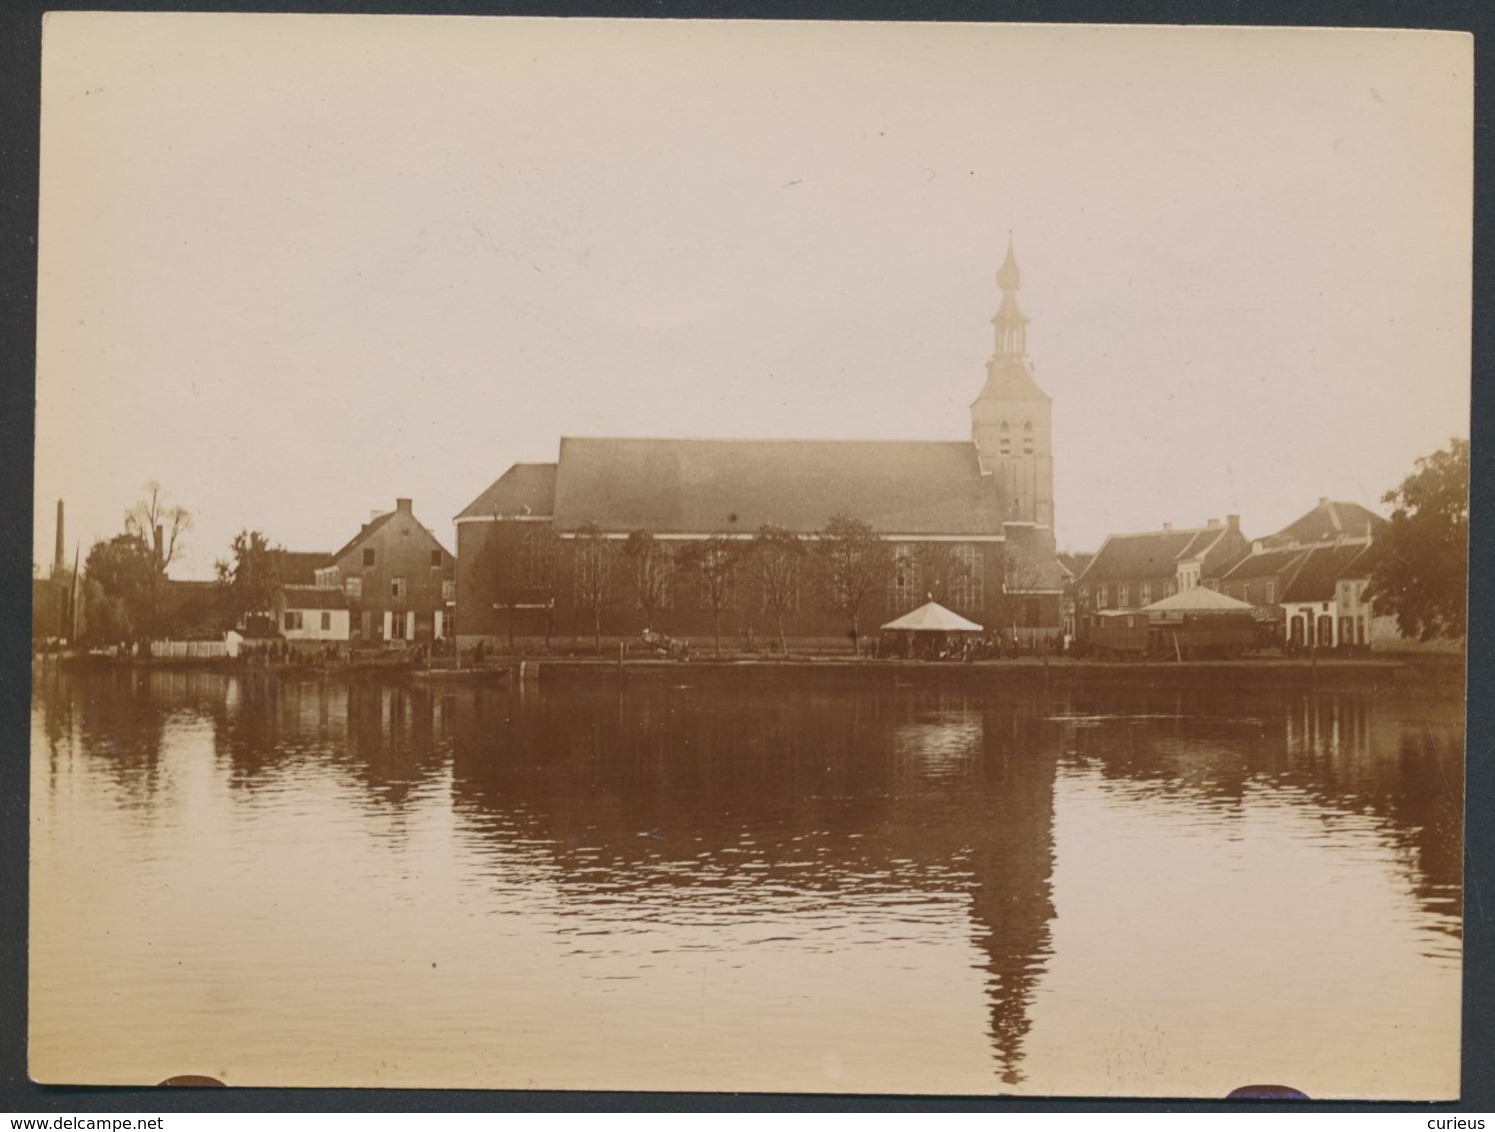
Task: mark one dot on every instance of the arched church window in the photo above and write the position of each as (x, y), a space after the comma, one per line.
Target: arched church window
(1002, 426)
(1027, 426)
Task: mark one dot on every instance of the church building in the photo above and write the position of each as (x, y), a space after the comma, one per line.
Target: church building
(622, 535)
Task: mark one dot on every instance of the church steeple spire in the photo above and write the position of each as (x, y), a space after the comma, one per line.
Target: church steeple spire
(1010, 321)
(1010, 421)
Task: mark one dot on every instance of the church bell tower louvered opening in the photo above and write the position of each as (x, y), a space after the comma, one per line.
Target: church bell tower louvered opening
(1011, 422)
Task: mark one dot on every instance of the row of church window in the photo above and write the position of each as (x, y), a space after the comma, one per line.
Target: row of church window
(954, 575)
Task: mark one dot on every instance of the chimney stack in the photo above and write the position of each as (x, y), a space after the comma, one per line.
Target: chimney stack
(1323, 501)
(1167, 528)
(402, 506)
(59, 558)
(1213, 524)
(1233, 522)
(1256, 546)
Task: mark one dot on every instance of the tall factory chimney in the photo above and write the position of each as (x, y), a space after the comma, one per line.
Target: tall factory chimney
(59, 559)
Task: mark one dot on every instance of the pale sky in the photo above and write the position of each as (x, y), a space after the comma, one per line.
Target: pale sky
(293, 267)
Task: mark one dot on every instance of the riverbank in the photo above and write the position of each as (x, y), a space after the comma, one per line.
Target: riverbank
(1442, 671)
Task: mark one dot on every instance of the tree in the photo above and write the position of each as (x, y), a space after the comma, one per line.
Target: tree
(854, 564)
(1421, 576)
(651, 568)
(941, 568)
(776, 555)
(715, 561)
(594, 556)
(155, 513)
(250, 578)
(120, 596)
(520, 558)
(1021, 577)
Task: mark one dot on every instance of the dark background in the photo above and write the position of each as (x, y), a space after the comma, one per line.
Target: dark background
(20, 82)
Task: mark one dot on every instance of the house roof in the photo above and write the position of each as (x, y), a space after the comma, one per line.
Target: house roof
(1330, 520)
(693, 486)
(1151, 554)
(299, 567)
(1075, 563)
(525, 489)
(1264, 564)
(370, 528)
(313, 597)
(1322, 568)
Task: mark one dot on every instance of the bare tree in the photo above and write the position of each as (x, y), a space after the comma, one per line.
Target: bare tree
(941, 569)
(855, 563)
(155, 518)
(715, 559)
(520, 558)
(776, 558)
(650, 570)
(1021, 578)
(593, 556)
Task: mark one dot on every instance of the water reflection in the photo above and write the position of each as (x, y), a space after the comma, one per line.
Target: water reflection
(653, 820)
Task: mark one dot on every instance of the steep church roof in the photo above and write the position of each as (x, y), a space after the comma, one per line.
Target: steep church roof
(736, 486)
(524, 490)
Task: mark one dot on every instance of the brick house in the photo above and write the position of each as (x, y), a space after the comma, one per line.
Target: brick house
(1133, 570)
(397, 579)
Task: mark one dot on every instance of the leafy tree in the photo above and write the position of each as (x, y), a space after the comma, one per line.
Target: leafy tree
(854, 565)
(251, 577)
(651, 568)
(594, 556)
(120, 594)
(776, 555)
(715, 560)
(1421, 577)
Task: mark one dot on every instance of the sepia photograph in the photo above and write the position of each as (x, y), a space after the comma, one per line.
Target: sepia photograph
(750, 557)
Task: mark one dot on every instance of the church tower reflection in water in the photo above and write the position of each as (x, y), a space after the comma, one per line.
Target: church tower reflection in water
(672, 796)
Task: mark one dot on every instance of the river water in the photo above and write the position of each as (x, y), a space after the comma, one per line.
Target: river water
(698, 883)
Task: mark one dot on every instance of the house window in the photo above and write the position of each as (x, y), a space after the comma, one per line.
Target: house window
(1271, 591)
(436, 560)
(368, 556)
(1123, 596)
(904, 584)
(1102, 597)
(293, 619)
(1084, 594)
(448, 592)
(1145, 593)
(326, 622)
(353, 587)
(966, 582)
(327, 577)
(397, 589)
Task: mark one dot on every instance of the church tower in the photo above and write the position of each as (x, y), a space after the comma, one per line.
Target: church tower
(1011, 420)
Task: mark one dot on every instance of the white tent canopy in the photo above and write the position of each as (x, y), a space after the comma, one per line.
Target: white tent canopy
(933, 617)
(1200, 599)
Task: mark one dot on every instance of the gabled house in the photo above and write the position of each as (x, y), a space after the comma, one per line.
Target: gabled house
(1310, 576)
(1133, 570)
(398, 581)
